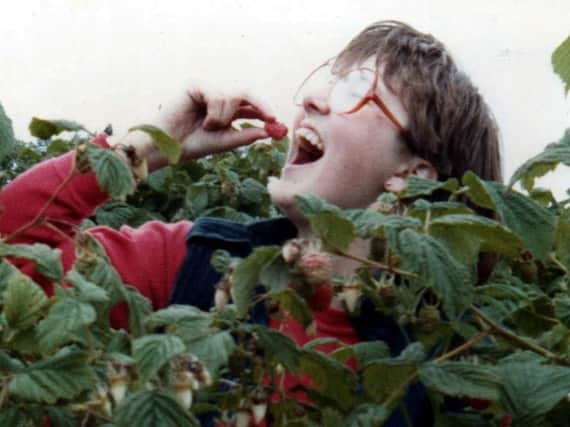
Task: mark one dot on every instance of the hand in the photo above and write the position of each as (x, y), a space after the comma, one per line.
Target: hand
(202, 122)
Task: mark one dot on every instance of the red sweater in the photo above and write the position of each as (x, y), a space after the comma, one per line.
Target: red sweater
(147, 257)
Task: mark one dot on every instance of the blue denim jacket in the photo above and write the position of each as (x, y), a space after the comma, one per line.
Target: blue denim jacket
(196, 281)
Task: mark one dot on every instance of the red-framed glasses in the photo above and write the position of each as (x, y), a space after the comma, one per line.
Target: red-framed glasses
(349, 91)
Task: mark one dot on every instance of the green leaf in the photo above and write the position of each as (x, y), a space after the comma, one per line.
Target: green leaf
(45, 129)
(112, 174)
(543, 163)
(333, 229)
(188, 322)
(151, 409)
(62, 376)
(15, 417)
(295, 305)
(278, 347)
(23, 302)
(534, 223)
(461, 379)
(561, 63)
(333, 379)
(253, 191)
(492, 236)
(369, 223)
(531, 389)
(425, 187)
(221, 260)
(477, 191)
(312, 205)
(213, 350)
(61, 417)
(366, 352)
(46, 259)
(86, 290)
(151, 352)
(9, 364)
(167, 145)
(246, 276)
(562, 308)
(367, 415)
(139, 308)
(7, 139)
(275, 276)
(64, 318)
(436, 269)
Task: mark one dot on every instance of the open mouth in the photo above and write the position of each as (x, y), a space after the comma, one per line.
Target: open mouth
(310, 148)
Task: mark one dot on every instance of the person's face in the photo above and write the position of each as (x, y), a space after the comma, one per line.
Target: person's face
(344, 158)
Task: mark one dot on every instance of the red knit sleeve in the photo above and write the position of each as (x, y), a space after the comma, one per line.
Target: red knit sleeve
(147, 257)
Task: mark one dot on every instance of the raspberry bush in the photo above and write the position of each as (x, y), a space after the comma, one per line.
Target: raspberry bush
(497, 348)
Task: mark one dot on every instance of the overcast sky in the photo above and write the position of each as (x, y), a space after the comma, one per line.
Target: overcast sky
(102, 61)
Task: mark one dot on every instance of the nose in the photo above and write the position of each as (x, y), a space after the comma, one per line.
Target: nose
(317, 103)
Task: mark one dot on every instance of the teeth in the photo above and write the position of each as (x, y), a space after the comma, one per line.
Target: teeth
(311, 137)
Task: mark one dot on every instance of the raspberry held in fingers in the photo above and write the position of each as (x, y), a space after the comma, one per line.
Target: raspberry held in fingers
(276, 130)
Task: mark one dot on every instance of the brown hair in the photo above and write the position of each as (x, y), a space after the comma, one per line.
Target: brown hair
(450, 124)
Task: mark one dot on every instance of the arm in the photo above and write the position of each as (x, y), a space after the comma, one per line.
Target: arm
(148, 257)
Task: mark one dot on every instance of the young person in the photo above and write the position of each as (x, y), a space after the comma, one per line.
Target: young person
(391, 104)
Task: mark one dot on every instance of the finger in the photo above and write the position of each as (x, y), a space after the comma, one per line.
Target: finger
(249, 112)
(266, 114)
(232, 139)
(212, 120)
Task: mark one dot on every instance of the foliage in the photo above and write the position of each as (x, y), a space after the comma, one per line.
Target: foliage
(493, 348)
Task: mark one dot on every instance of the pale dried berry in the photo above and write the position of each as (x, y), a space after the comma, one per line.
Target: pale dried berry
(292, 249)
(259, 411)
(221, 298)
(243, 418)
(118, 388)
(351, 296)
(315, 267)
(184, 396)
(311, 330)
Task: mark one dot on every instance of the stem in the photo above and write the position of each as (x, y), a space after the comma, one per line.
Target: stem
(516, 339)
(369, 262)
(40, 216)
(395, 395)
(57, 230)
(4, 392)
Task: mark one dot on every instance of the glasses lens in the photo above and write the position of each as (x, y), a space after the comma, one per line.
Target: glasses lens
(350, 89)
(321, 78)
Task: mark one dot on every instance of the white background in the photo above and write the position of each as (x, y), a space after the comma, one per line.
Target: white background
(102, 61)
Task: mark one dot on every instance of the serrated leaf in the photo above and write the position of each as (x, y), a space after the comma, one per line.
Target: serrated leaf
(151, 352)
(253, 191)
(295, 305)
(115, 214)
(246, 276)
(534, 223)
(45, 129)
(139, 308)
(561, 63)
(417, 186)
(543, 163)
(23, 302)
(367, 415)
(7, 140)
(167, 145)
(275, 276)
(491, 236)
(366, 352)
(153, 408)
(562, 309)
(9, 364)
(62, 376)
(188, 322)
(46, 260)
(460, 379)
(221, 260)
(213, 350)
(436, 268)
(114, 176)
(333, 229)
(333, 379)
(60, 417)
(477, 192)
(15, 417)
(312, 205)
(64, 318)
(278, 347)
(530, 390)
(369, 223)
(87, 291)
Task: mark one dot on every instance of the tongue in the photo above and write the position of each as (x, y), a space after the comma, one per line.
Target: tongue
(308, 154)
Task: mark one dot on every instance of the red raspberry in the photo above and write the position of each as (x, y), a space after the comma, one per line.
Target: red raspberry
(479, 404)
(321, 298)
(315, 267)
(506, 420)
(276, 130)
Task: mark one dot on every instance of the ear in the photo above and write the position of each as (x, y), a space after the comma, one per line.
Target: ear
(417, 166)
